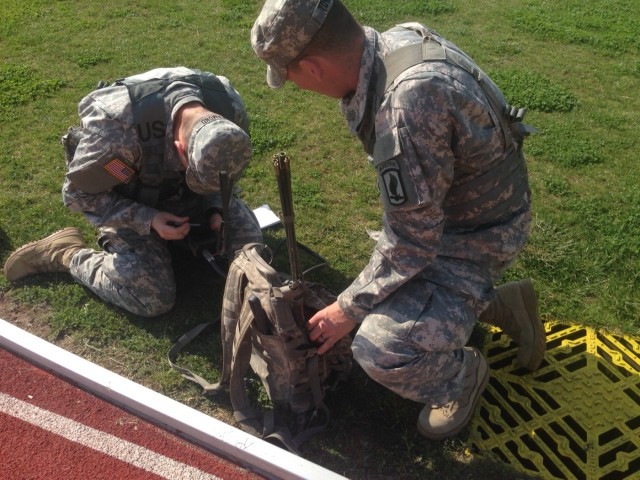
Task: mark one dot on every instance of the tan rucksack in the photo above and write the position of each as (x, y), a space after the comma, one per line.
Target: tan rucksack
(259, 321)
(263, 325)
(259, 329)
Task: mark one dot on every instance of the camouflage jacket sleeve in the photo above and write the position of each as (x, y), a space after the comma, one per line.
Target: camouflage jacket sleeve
(105, 134)
(428, 123)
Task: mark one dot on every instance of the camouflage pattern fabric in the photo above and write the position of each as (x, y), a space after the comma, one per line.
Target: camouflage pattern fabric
(429, 278)
(216, 137)
(136, 274)
(283, 30)
(412, 342)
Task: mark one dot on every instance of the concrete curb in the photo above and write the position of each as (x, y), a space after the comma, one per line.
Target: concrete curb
(207, 432)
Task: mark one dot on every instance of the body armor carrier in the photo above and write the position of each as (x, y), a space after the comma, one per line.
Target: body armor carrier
(154, 183)
(470, 188)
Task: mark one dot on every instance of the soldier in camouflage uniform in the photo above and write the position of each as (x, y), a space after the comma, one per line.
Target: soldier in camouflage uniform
(457, 204)
(143, 168)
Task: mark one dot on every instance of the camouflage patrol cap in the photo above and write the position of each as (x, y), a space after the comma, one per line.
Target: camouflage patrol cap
(282, 31)
(216, 144)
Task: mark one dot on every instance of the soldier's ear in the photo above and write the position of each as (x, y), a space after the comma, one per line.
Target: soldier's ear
(181, 149)
(312, 66)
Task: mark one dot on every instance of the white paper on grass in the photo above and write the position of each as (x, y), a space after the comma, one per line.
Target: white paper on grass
(266, 217)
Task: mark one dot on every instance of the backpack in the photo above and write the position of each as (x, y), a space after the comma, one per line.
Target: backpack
(259, 321)
(261, 328)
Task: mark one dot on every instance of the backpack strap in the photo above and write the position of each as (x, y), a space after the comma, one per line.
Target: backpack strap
(240, 317)
(186, 339)
(231, 313)
(244, 413)
(260, 423)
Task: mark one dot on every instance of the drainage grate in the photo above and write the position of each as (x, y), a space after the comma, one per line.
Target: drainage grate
(577, 417)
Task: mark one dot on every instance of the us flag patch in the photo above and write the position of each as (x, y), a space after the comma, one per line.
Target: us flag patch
(119, 170)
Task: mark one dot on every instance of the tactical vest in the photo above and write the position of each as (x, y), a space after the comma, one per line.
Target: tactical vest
(150, 119)
(471, 189)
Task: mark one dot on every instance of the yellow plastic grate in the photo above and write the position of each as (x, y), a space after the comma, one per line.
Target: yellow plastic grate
(577, 417)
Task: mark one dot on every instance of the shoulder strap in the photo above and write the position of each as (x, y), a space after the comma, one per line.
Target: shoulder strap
(429, 50)
(231, 310)
(185, 340)
(214, 94)
(149, 118)
(231, 307)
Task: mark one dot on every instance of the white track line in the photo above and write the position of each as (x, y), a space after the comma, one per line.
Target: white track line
(225, 440)
(102, 442)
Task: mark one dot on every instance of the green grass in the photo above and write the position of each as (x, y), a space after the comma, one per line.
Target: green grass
(575, 65)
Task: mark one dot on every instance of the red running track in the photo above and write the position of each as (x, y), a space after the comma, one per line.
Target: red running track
(52, 430)
(156, 452)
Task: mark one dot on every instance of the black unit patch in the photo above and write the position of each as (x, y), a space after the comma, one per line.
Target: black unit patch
(392, 181)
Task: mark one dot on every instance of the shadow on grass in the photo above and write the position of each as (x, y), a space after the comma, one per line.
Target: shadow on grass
(372, 432)
(373, 435)
(5, 245)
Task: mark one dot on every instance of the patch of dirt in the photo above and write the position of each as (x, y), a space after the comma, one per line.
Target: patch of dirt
(35, 320)
(27, 317)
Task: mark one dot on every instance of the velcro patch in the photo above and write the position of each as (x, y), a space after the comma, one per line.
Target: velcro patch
(119, 170)
(397, 186)
(391, 178)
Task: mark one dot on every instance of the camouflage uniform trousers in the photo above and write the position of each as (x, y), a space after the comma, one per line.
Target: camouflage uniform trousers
(412, 342)
(136, 272)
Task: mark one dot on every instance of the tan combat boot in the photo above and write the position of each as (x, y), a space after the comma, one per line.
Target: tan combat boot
(440, 422)
(515, 312)
(51, 254)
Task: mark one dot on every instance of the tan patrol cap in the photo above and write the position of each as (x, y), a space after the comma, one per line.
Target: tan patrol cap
(216, 145)
(282, 31)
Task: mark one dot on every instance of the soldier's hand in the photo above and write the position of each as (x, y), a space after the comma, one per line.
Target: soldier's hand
(215, 222)
(170, 226)
(328, 326)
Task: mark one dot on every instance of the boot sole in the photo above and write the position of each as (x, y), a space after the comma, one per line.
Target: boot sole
(483, 384)
(539, 344)
(16, 255)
